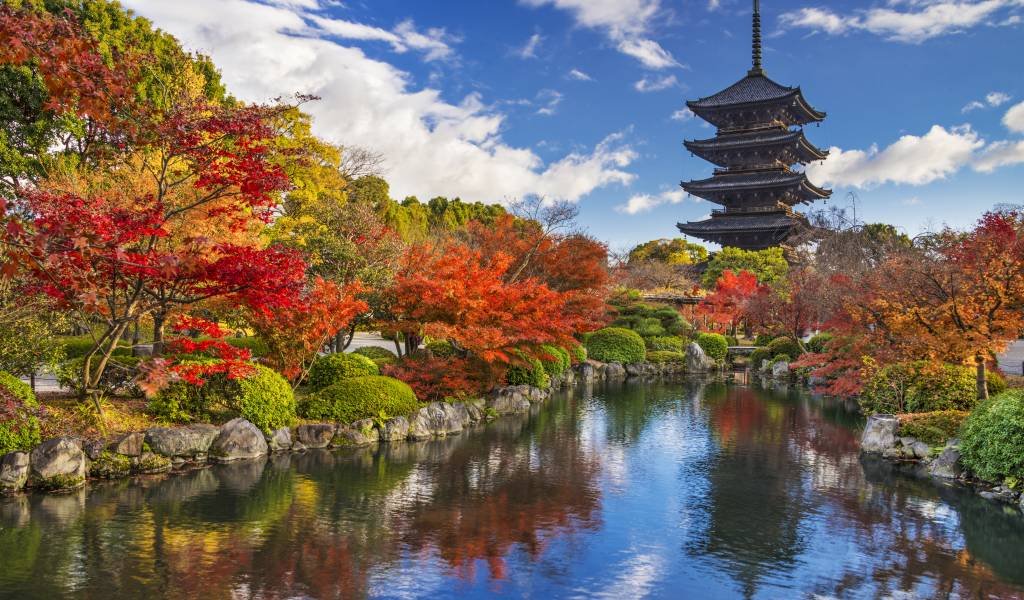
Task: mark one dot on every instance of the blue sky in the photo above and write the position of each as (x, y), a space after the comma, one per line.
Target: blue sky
(583, 99)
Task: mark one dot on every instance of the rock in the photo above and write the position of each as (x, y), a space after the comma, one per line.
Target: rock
(395, 429)
(316, 435)
(128, 444)
(920, 449)
(879, 433)
(298, 446)
(109, 465)
(475, 409)
(614, 371)
(13, 471)
(149, 463)
(989, 495)
(508, 401)
(59, 463)
(586, 372)
(191, 442)
(280, 439)
(239, 440)
(93, 448)
(780, 370)
(436, 419)
(360, 433)
(814, 381)
(697, 361)
(641, 369)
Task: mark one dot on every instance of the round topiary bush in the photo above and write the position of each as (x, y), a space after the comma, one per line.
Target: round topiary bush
(360, 398)
(615, 344)
(332, 368)
(920, 386)
(265, 399)
(818, 343)
(782, 358)
(992, 438)
(758, 356)
(714, 345)
(666, 343)
(934, 428)
(256, 346)
(665, 356)
(19, 425)
(529, 372)
(784, 345)
(380, 356)
(555, 360)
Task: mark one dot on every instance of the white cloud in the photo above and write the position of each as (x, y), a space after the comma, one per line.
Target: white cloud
(997, 99)
(433, 43)
(625, 22)
(639, 203)
(579, 75)
(972, 105)
(714, 4)
(432, 146)
(922, 19)
(913, 160)
(550, 100)
(1000, 154)
(683, 114)
(1014, 118)
(529, 50)
(655, 84)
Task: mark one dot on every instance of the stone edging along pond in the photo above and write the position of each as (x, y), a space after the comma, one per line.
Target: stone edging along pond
(65, 463)
(881, 438)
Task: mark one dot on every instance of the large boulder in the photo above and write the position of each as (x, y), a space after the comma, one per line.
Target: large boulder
(239, 440)
(697, 361)
(395, 429)
(780, 370)
(315, 435)
(614, 371)
(280, 439)
(947, 465)
(508, 401)
(475, 408)
(190, 442)
(587, 372)
(128, 444)
(360, 433)
(436, 419)
(13, 471)
(464, 416)
(879, 433)
(59, 463)
(641, 369)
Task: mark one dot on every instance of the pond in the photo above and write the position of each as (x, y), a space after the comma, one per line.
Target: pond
(638, 490)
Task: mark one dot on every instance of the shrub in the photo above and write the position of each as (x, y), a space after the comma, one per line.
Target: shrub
(529, 372)
(375, 352)
(933, 428)
(19, 424)
(992, 438)
(332, 368)
(615, 344)
(79, 345)
(817, 343)
(264, 398)
(714, 345)
(441, 348)
(650, 327)
(665, 356)
(763, 339)
(920, 386)
(118, 377)
(651, 321)
(666, 343)
(758, 356)
(433, 378)
(731, 340)
(995, 383)
(360, 398)
(578, 353)
(782, 358)
(784, 345)
(255, 345)
(555, 360)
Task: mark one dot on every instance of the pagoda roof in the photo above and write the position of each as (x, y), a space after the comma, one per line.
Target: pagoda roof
(725, 223)
(723, 183)
(755, 88)
(761, 138)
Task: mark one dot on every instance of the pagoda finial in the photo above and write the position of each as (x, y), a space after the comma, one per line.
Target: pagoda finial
(757, 70)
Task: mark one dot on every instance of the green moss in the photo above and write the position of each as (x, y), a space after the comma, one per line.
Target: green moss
(333, 368)
(934, 428)
(150, 463)
(360, 398)
(615, 344)
(60, 483)
(110, 465)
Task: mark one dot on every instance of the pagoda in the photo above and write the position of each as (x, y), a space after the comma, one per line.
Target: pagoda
(760, 137)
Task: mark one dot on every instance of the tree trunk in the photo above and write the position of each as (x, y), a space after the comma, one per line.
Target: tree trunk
(159, 319)
(350, 336)
(982, 379)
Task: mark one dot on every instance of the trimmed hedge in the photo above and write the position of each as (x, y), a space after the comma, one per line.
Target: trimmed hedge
(380, 356)
(758, 356)
(992, 438)
(817, 343)
(256, 346)
(360, 398)
(555, 360)
(665, 356)
(615, 344)
(666, 343)
(78, 346)
(578, 353)
(264, 398)
(933, 428)
(714, 345)
(920, 386)
(995, 383)
(19, 425)
(531, 372)
(332, 368)
(784, 345)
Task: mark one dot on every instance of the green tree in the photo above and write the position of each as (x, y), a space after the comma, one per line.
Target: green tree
(674, 252)
(768, 265)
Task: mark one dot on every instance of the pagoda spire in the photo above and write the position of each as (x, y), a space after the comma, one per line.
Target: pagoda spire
(756, 54)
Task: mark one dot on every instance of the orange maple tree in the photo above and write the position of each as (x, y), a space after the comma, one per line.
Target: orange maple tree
(726, 307)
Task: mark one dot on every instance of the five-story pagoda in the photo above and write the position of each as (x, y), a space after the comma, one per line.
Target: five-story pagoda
(760, 137)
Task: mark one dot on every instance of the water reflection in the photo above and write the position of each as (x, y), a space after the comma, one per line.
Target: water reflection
(640, 489)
